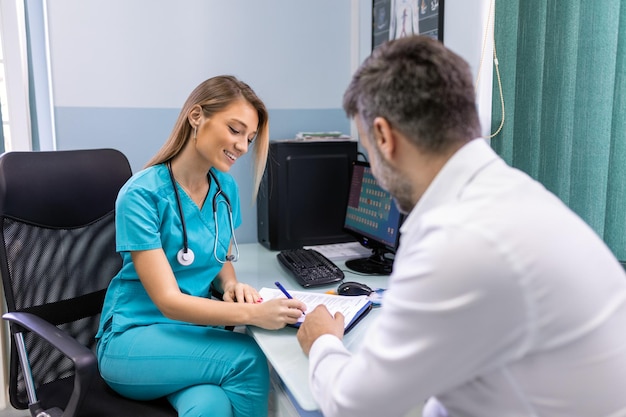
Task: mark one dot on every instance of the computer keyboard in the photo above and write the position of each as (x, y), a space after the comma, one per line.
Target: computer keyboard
(309, 267)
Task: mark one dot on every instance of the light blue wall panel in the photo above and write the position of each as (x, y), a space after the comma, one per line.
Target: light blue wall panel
(139, 133)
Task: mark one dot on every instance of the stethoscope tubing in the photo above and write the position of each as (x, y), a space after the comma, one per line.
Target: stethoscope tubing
(185, 255)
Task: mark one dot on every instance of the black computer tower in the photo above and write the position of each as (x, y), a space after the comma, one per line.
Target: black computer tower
(304, 192)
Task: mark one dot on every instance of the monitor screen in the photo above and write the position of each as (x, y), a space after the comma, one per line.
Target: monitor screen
(373, 218)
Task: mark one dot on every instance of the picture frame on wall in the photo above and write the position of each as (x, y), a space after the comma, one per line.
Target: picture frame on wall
(392, 19)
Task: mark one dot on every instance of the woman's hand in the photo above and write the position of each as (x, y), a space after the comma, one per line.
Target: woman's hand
(277, 313)
(237, 292)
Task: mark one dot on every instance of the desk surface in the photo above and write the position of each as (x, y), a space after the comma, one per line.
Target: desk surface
(259, 267)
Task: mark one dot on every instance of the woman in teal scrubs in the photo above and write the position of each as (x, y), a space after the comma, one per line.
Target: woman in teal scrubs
(161, 334)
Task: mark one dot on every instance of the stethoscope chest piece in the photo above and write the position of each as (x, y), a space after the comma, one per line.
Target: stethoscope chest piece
(185, 258)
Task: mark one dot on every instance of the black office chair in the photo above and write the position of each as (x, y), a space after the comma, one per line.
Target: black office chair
(57, 256)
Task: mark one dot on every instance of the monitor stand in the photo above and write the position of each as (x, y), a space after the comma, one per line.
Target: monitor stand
(376, 264)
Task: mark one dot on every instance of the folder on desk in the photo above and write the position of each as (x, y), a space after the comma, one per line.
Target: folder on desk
(353, 308)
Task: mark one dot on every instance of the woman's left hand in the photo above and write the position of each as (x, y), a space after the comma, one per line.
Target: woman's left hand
(241, 293)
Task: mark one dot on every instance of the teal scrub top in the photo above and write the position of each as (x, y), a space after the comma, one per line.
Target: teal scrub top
(147, 217)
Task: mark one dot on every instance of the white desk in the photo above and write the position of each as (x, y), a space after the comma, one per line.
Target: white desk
(259, 267)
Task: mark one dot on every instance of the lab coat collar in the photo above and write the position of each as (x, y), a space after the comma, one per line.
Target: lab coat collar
(455, 174)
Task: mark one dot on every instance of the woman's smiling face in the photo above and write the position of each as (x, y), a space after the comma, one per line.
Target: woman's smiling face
(225, 136)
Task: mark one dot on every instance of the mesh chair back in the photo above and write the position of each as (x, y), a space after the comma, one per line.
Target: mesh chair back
(57, 249)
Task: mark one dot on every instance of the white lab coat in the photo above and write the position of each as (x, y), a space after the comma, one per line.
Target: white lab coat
(502, 302)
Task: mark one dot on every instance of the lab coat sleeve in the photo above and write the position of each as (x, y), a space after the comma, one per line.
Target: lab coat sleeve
(451, 313)
(327, 357)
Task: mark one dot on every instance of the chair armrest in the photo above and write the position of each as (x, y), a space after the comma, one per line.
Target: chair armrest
(85, 362)
(215, 292)
(78, 353)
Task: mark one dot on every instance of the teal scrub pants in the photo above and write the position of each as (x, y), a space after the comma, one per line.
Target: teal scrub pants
(203, 371)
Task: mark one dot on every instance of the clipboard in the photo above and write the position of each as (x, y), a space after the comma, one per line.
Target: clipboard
(354, 308)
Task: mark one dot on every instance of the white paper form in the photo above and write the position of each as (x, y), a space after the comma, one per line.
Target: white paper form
(350, 307)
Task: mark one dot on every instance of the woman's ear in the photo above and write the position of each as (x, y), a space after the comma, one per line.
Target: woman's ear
(384, 137)
(195, 115)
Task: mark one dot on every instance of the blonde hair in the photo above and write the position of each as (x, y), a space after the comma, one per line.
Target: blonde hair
(214, 95)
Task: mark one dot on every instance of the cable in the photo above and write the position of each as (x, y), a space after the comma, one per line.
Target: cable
(495, 62)
(361, 154)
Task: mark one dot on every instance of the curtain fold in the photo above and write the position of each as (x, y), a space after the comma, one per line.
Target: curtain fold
(563, 67)
(615, 225)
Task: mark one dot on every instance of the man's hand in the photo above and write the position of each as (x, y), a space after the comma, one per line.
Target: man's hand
(319, 322)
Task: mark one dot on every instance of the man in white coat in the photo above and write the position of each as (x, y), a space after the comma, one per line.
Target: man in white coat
(502, 301)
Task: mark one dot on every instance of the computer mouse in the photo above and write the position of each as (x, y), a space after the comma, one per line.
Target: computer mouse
(353, 288)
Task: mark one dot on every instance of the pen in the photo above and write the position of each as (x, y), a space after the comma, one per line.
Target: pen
(284, 291)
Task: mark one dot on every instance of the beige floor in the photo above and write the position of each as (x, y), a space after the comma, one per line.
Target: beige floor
(278, 412)
(9, 412)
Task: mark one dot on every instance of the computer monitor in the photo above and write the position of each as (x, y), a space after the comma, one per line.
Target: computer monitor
(373, 219)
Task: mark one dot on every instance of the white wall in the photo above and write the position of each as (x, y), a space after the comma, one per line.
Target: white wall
(16, 71)
(466, 26)
(152, 53)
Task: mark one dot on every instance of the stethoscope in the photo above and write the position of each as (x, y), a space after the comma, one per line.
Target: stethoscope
(185, 256)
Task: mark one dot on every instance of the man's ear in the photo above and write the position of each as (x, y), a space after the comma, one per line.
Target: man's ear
(384, 136)
(195, 115)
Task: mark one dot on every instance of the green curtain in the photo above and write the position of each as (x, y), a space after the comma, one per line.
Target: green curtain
(563, 69)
